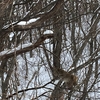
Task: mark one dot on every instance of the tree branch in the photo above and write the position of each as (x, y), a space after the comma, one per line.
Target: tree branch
(19, 50)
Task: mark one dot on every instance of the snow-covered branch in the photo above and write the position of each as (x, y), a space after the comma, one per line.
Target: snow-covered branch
(24, 48)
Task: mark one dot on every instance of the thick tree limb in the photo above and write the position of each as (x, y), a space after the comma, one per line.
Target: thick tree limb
(17, 50)
(37, 23)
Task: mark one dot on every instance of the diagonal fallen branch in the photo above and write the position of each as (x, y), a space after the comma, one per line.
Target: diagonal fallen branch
(20, 49)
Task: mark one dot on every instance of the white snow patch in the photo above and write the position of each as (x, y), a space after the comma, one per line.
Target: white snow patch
(48, 32)
(22, 23)
(11, 35)
(32, 20)
(28, 22)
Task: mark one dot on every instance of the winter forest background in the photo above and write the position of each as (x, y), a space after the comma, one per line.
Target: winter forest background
(37, 34)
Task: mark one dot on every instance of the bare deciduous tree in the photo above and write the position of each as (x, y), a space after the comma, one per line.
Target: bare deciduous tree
(37, 36)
